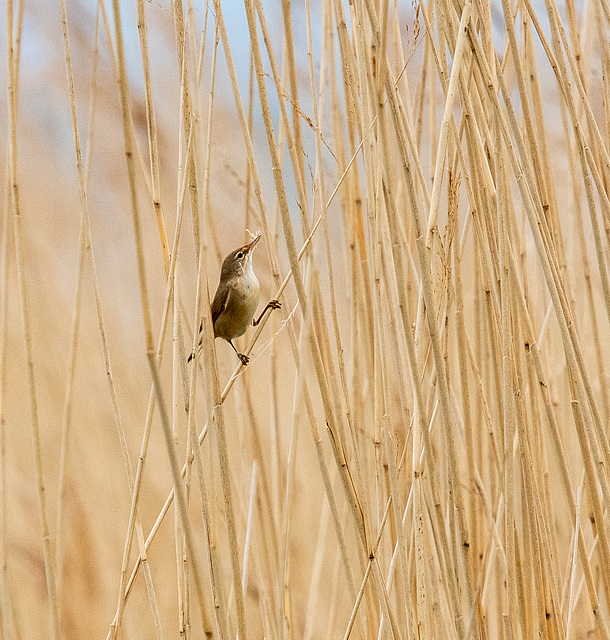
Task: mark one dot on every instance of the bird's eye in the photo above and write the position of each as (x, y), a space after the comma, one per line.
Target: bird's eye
(240, 255)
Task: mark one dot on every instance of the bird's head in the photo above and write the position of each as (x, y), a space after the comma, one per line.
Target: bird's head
(239, 261)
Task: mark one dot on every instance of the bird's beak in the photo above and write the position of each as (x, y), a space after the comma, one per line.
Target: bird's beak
(253, 244)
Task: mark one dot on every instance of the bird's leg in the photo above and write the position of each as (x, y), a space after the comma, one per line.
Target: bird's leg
(272, 304)
(244, 358)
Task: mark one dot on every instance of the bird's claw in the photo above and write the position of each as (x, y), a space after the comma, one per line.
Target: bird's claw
(272, 304)
(244, 359)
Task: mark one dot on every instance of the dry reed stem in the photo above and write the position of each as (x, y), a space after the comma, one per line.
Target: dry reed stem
(152, 397)
(127, 131)
(152, 133)
(507, 378)
(74, 330)
(216, 415)
(128, 136)
(220, 609)
(455, 490)
(13, 78)
(180, 546)
(86, 235)
(7, 631)
(187, 116)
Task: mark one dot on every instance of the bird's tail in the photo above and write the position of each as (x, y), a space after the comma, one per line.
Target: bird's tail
(200, 341)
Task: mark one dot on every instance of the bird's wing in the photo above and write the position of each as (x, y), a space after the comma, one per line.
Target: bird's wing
(220, 302)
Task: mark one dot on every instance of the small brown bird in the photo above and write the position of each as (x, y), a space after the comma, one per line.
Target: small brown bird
(236, 298)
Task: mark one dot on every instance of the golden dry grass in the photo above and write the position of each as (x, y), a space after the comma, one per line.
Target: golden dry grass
(419, 446)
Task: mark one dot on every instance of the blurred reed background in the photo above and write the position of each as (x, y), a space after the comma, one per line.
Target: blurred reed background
(419, 446)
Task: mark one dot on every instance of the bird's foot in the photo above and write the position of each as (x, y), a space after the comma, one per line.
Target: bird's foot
(244, 359)
(272, 304)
